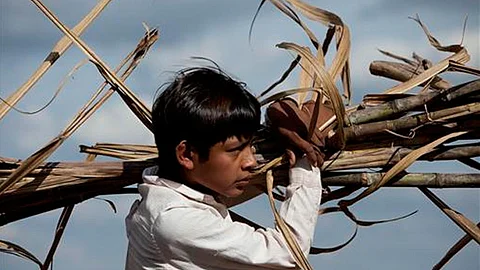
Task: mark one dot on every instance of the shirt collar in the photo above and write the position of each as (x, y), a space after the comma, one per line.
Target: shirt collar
(149, 176)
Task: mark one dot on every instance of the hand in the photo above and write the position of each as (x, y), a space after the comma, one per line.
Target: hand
(292, 124)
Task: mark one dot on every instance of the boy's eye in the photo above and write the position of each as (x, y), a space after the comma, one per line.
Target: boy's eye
(238, 150)
(235, 153)
(240, 147)
(235, 149)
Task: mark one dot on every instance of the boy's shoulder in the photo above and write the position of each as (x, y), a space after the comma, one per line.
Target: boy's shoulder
(167, 195)
(159, 198)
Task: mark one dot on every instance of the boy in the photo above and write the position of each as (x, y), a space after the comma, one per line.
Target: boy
(204, 122)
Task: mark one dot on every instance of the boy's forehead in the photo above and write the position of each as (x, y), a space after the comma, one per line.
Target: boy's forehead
(236, 140)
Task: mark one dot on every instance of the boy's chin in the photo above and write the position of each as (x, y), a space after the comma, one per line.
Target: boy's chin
(234, 193)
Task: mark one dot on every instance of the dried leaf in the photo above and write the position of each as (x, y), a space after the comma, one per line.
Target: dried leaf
(282, 78)
(316, 250)
(328, 85)
(287, 234)
(62, 223)
(57, 51)
(133, 102)
(464, 223)
(283, 7)
(342, 34)
(42, 154)
(11, 248)
(286, 93)
(454, 250)
(111, 203)
(461, 57)
(434, 42)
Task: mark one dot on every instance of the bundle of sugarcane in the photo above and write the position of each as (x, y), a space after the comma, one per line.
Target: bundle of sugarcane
(388, 131)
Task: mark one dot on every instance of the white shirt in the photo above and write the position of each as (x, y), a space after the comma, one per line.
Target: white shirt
(177, 227)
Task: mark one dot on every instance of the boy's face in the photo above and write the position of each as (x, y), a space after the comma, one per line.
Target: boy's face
(227, 169)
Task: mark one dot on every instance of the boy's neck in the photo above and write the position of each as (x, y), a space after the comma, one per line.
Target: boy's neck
(201, 189)
(179, 178)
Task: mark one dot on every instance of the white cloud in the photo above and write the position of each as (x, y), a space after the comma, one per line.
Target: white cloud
(114, 123)
(35, 131)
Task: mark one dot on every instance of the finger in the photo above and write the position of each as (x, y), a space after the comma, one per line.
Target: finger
(291, 157)
(312, 157)
(296, 141)
(320, 159)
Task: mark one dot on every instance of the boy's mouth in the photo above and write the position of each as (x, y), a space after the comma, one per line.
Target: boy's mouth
(243, 181)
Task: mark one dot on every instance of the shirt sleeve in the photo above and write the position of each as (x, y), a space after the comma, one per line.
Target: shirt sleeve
(300, 208)
(203, 235)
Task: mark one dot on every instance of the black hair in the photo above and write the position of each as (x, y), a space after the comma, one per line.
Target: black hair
(203, 106)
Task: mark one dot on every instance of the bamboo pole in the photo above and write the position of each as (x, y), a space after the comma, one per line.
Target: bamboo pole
(62, 45)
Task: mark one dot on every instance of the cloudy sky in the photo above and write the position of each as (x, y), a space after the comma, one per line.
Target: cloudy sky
(95, 237)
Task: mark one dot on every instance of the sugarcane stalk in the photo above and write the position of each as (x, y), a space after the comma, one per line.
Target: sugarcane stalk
(116, 153)
(353, 159)
(460, 56)
(126, 147)
(363, 130)
(398, 106)
(419, 136)
(72, 182)
(56, 185)
(403, 72)
(110, 177)
(269, 146)
(53, 174)
(381, 157)
(391, 141)
(430, 180)
(122, 151)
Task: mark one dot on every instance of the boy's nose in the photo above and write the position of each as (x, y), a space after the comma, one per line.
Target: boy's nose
(249, 161)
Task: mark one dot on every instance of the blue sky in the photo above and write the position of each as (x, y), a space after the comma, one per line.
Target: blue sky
(95, 238)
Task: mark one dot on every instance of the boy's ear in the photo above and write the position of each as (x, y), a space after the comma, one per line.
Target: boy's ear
(185, 155)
